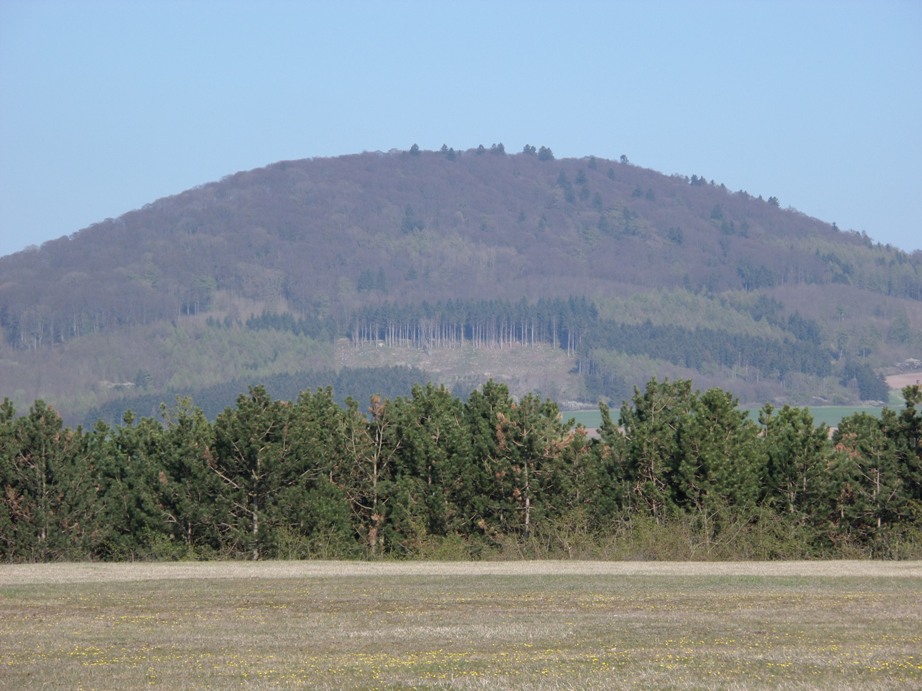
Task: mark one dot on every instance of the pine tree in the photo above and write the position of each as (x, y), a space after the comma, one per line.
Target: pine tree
(865, 493)
(251, 449)
(796, 453)
(651, 446)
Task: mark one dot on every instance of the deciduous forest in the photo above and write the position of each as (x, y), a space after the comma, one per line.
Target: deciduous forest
(293, 269)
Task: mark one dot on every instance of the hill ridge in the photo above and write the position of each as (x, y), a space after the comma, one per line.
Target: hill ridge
(329, 238)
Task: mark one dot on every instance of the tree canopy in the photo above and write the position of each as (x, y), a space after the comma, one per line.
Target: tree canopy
(413, 476)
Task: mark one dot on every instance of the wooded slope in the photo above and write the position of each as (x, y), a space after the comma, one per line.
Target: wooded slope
(160, 298)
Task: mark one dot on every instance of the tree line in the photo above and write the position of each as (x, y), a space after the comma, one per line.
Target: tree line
(481, 323)
(678, 472)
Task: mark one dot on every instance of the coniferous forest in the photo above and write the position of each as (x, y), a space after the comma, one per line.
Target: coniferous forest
(675, 474)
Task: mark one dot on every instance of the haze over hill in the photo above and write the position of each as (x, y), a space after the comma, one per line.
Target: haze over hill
(615, 272)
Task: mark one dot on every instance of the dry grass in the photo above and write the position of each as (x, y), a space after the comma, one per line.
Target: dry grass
(462, 625)
(97, 572)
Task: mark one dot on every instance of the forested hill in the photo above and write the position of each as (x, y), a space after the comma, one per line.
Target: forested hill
(628, 271)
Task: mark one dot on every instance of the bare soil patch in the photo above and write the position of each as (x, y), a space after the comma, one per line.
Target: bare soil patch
(524, 369)
(904, 379)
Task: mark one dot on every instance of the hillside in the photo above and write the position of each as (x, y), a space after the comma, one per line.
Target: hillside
(625, 272)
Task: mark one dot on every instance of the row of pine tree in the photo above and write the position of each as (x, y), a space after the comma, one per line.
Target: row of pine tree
(677, 474)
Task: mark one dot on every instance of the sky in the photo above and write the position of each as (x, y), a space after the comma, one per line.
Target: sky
(107, 106)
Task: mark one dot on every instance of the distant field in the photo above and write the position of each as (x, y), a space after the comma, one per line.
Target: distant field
(899, 381)
(831, 415)
(588, 418)
(544, 625)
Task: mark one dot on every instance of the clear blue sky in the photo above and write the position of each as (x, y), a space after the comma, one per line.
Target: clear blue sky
(106, 106)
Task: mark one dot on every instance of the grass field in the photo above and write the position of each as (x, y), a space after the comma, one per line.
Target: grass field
(832, 415)
(545, 625)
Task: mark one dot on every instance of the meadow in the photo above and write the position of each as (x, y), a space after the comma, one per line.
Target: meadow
(544, 625)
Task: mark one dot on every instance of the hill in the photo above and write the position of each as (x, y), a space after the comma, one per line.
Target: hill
(624, 273)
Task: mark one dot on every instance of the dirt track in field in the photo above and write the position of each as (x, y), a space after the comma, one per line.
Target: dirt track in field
(25, 574)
